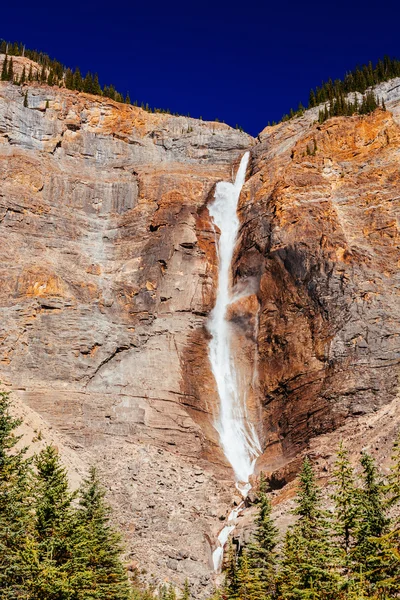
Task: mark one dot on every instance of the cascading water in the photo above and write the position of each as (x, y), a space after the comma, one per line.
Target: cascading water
(237, 436)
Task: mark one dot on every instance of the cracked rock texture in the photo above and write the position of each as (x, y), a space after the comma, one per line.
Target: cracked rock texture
(108, 273)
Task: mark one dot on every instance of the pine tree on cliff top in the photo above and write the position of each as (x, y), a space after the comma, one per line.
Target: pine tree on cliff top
(4, 69)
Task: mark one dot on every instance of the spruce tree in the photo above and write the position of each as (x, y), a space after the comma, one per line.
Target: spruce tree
(15, 512)
(10, 72)
(186, 591)
(261, 552)
(96, 85)
(393, 488)
(308, 558)
(4, 70)
(389, 543)
(249, 586)
(77, 80)
(69, 79)
(171, 593)
(231, 587)
(100, 545)
(345, 499)
(372, 524)
(51, 551)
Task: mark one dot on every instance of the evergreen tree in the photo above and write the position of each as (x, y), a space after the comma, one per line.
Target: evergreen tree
(15, 513)
(372, 523)
(50, 554)
(249, 585)
(231, 586)
(96, 85)
(87, 85)
(100, 546)
(69, 79)
(23, 76)
(4, 70)
(26, 99)
(171, 593)
(389, 543)
(77, 80)
(10, 72)
(261, 552)
(345, 499)
(186, 591)
(308, 562)
(393, 488)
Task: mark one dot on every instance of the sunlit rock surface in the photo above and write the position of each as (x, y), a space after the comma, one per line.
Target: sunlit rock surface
(108, 274)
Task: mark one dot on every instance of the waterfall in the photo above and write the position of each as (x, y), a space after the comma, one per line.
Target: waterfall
(238, 437)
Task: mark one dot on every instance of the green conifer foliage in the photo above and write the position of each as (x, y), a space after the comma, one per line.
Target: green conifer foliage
(186, 591)
(249, 585)
(4, 69)
(77, 80)
(51, 550)
(15, 512)
(96, 86)
(345, 499)
(261, 552)
(10, 72)
(372, 523)
(231, 587)
(308, 558)
(389, 543)
(100, 544)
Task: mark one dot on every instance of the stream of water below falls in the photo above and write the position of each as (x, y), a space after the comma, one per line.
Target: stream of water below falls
(237, 435)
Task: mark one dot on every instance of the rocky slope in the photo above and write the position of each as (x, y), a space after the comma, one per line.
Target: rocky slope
(108, 272)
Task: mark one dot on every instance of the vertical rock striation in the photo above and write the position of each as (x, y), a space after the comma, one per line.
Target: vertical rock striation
(108, 274)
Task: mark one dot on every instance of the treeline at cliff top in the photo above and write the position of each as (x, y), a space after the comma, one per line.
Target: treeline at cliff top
(331, 93)
(53, 72)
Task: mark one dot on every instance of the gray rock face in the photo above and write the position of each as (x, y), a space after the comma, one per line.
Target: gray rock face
(102, 282)
(107, 274)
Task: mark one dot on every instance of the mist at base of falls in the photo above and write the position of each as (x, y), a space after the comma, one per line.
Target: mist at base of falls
(237, 435)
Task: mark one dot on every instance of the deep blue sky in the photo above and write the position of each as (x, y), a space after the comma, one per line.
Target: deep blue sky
(244, 63)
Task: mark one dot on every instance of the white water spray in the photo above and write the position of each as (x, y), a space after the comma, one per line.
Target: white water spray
(237, 436)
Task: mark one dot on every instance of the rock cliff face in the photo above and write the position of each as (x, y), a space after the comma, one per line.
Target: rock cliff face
(108, 273)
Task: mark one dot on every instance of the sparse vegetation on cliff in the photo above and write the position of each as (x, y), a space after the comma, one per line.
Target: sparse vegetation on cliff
(361, 79)
(55, 73)
(331, 93)
(350, 552)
